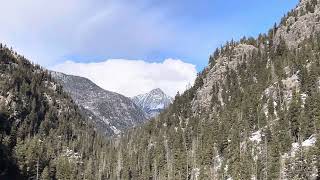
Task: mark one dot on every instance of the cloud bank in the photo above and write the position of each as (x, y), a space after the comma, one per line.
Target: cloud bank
(133, 77)
(48, 32)
(51, 32)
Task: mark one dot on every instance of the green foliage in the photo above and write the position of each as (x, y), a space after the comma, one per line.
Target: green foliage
(45, 175)
(294, 115)
(64, 169)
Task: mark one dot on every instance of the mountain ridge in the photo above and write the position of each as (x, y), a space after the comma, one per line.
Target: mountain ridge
(251, 114)
(112, 112)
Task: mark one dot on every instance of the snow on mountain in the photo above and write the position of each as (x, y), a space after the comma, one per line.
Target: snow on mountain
(153, 102)
(111, 112)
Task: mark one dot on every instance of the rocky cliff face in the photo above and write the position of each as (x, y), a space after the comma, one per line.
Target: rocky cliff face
(110, 111)
(216, 75)
(153, 102)
(295, 33)
(302, 23)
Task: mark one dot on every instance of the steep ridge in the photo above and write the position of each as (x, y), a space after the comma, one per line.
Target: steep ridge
(253, 113)
(153, 102)
(111, 112)
(300, 24)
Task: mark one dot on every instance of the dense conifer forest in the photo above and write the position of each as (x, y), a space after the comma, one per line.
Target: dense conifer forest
(43, 134)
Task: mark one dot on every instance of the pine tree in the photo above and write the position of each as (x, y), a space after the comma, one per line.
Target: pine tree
(234, 153)
(45, 174)
(274, 160)
(294, 115)
(283, 131)
(64, 169)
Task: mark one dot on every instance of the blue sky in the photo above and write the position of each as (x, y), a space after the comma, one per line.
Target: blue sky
(53, 33)
(202, 26)
(216, 21)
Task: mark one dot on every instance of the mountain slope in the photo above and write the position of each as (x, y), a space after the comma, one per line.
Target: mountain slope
(253, 113)
(42, 132)
(110, 111)
(153, 102)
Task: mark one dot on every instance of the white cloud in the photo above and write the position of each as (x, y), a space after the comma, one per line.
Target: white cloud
(133, 77)
(41, 30)
(51, 32)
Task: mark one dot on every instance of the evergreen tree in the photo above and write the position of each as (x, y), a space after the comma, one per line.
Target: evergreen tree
(45, 174)
(274, 160)
(294, 115)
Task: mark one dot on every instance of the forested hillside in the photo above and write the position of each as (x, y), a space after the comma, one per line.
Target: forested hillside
(42, 133)
(253, 113)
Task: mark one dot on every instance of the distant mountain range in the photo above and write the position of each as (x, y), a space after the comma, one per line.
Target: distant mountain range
(111, 112)
(153, 102)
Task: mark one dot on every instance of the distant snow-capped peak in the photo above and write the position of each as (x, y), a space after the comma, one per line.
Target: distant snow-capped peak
(153, 102)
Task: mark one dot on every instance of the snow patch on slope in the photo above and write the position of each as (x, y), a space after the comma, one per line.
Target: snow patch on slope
(307, 143)
(256, 136)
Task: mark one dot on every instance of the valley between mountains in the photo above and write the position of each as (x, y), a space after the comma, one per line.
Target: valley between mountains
(252, 113)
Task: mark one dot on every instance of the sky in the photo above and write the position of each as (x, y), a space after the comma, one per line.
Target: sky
(170, 40)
